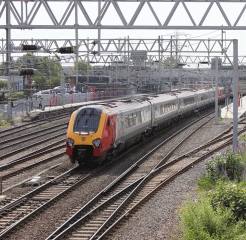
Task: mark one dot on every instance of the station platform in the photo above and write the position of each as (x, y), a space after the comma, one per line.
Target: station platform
(227, 111)
(53, 111)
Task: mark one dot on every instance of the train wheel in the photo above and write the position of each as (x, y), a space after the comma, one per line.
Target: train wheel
(72, 160)
(110, 155)
(143, 138)
(115, 152)
(102, 159)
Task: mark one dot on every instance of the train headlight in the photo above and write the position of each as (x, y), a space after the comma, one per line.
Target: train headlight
(96, 142)
(70, 142)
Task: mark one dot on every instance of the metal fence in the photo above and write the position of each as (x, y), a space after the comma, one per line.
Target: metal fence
(23, 107)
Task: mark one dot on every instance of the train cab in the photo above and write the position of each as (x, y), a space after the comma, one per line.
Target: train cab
(89, 134)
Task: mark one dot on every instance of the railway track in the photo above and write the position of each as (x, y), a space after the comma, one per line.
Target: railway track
(28, 205)
(11, 141)
(10, 172)
(16, 172)
(41, 196)
(98, 217)
(18, 129)
(130, 187)
(32, 146)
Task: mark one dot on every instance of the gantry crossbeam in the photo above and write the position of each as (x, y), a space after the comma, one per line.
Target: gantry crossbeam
(123, 14)
(188, 51)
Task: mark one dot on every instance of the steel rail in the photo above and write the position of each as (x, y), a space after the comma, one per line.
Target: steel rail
(31, 145)
(71, 223)
(31, 133)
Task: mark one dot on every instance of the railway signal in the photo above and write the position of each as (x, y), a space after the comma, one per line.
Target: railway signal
(62, 50)
(30, 47)
(66, 50)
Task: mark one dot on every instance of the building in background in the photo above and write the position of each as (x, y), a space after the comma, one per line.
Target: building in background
(16, 82)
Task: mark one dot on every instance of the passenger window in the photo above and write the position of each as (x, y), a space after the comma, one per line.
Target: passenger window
(108, 122)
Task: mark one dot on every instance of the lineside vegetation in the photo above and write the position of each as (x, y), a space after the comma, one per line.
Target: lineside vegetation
(219, 212)
(3, 122)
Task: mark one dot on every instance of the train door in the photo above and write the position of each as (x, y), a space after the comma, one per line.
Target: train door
(111, 126)
(180, 100)
(120, 119)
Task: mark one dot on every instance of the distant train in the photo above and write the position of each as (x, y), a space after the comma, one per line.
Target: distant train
(100, 131)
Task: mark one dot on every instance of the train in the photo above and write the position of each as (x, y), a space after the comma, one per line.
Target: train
(100, 131)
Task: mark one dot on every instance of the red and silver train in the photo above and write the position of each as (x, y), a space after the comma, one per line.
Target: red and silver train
(99, 131)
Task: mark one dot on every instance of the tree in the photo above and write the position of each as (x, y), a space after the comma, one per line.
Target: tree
(82, 67)
(3, 84)
(47, 70)
(171, 62)
(2, 68)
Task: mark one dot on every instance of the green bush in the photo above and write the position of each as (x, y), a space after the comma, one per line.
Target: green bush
(220, 212)
(229, 166)
(199, 221)
(231, 196)
(243, 137)
(17, 95)
(3, 122)
(205, 183)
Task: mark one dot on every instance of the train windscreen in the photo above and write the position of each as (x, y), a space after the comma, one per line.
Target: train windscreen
(87, 120)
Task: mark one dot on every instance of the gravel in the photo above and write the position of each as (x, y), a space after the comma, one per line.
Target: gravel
(158, 218)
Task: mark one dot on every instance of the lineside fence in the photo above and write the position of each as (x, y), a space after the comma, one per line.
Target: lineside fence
(23, 107)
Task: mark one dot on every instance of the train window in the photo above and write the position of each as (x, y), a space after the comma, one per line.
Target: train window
(174, 106)
(145, 115)
(134, 116)
(132, 119)
(204, 97)
(188, 101)
(87, 120)
(139, 119)
(167, 107)
(108, 122)
(126, 122)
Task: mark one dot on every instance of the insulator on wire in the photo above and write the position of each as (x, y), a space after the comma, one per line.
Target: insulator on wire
(26, 71)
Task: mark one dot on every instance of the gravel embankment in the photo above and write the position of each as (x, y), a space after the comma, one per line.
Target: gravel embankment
(158, 218)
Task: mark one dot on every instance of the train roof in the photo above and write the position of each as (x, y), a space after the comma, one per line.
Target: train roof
(117, 105)
(130, 103)
(159, 97)
(144, 100)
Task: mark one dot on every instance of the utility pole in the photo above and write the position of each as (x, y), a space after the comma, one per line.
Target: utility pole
(8, 37)
(235, 94)
(216, 89)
